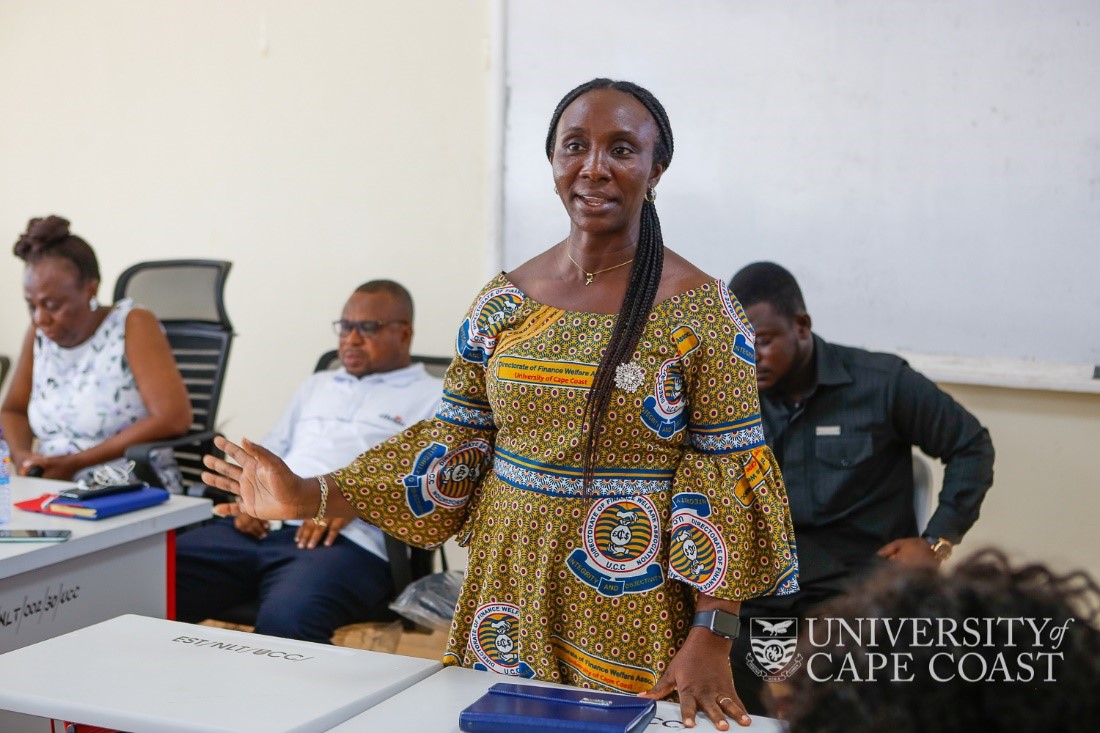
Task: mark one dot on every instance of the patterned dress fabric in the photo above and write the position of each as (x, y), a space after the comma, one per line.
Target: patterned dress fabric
(592, 587)
(83, 395)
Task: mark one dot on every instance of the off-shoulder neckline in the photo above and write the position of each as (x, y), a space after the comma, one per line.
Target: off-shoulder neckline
(707, 285)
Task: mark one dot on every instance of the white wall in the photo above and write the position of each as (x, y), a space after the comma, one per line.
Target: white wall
(885, 152)
(315, 144)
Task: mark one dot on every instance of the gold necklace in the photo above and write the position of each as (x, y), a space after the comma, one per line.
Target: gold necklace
(588, 276)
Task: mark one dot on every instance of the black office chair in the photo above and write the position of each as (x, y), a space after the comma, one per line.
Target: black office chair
(5, 365)
(407, 563)
(188, 296)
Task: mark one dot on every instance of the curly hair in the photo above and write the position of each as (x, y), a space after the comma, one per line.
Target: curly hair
(50, 237)
(1059, 694)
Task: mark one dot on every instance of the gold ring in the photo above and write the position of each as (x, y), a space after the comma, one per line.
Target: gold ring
(721, 699)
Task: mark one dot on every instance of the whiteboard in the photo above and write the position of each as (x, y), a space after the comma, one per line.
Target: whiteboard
(928, 169)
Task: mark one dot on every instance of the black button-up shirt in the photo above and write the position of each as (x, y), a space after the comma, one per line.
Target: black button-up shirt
(846, 456)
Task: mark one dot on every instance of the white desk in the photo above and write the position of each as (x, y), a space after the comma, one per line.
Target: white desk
(142, 674)
(434, 704)
(123, 564)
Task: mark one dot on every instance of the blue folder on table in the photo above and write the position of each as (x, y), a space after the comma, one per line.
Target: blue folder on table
(110, 505)
(511, 708)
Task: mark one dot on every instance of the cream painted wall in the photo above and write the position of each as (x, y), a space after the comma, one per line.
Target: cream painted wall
(315, 144)
(1045, 499)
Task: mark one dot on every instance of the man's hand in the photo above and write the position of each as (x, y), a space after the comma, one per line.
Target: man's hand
(700, 673)
(310, 534)
(912, 551)
(251, 526)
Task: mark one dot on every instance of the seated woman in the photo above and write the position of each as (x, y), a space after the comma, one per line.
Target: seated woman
(91, 380)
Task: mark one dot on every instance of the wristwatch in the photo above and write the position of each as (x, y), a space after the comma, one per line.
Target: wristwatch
(941, 548)
(724, 624)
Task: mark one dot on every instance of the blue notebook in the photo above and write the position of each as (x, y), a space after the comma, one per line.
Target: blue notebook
(511, 708)
(108, 506)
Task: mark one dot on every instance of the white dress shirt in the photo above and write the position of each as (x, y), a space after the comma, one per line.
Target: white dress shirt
(334, 417)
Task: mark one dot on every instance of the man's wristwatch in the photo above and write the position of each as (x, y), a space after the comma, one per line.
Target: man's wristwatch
(941, 548)
(724, 624)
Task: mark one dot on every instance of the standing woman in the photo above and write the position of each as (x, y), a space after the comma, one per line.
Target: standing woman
(599, 448)
(92, 379)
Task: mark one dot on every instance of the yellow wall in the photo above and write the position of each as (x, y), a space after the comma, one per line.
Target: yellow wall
(1045, 500)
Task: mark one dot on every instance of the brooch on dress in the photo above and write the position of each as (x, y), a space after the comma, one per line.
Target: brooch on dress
(629, 377)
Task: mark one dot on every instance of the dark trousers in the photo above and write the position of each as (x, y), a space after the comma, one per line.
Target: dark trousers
(302, 594)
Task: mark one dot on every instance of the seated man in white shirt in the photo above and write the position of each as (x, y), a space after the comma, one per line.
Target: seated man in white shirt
(309, 579)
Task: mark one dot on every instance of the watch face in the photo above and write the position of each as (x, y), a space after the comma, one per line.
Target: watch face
(942, 549)
(726, 624)
(719, 622)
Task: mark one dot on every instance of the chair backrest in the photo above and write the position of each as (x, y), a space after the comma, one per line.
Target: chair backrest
(188, 296)
(922, 490)
(5, 365)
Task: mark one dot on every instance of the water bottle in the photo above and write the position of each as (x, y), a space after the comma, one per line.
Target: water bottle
(6, 470)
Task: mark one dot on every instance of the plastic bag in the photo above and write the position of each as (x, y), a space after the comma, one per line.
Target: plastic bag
(431, 601)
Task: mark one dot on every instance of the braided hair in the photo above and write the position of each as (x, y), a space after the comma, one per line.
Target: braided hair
(645, 275)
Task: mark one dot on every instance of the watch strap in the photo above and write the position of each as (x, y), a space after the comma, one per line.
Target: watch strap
(724, 624)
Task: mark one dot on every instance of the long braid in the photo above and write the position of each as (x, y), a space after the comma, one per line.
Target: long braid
(645, 274)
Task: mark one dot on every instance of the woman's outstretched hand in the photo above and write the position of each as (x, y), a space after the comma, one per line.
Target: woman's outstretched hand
(266, 487)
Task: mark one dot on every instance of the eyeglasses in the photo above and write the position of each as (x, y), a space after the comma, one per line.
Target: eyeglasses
(366, 329)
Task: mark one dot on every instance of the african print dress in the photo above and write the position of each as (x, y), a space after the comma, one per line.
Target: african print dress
(592, 590)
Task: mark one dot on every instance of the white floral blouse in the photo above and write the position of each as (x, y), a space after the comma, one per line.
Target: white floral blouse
(83, 395)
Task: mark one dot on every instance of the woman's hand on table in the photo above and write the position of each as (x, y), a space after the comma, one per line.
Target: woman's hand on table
(60, 468)
(700, 672)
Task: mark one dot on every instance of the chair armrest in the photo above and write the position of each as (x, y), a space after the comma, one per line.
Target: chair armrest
(139, 452)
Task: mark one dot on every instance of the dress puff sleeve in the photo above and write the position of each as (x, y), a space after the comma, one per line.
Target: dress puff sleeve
(730, 533)
(418, 486)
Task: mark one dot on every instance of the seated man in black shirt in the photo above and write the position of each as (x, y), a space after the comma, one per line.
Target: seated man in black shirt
(842, 423)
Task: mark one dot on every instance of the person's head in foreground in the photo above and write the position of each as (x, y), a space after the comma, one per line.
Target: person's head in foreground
(987, 646)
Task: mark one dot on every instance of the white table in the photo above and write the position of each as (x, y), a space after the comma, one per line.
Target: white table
(141, 674)
(434, 704)
(122, 564)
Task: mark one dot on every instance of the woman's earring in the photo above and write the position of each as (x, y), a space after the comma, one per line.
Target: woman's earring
(651, 195)
(93, 303)
(556, 191)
